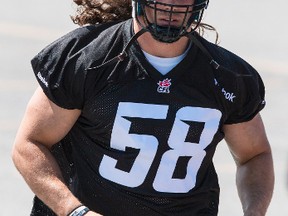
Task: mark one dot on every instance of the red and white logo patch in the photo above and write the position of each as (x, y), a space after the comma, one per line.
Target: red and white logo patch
(164, 85)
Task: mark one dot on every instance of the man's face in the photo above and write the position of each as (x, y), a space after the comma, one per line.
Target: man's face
(172, 13)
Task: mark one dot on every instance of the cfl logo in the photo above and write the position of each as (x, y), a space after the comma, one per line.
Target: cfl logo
(164, 85)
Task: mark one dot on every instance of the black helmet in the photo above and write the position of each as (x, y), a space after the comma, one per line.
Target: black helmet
(192, 15)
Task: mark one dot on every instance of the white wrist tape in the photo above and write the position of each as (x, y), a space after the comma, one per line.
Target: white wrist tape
(80, 211)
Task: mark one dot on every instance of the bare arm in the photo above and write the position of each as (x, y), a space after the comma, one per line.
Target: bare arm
(43, 125)
(255, 175)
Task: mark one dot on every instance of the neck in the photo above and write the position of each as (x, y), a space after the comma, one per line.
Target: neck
(160, 49)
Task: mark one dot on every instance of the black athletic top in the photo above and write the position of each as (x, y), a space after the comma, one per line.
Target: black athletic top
(144, 142)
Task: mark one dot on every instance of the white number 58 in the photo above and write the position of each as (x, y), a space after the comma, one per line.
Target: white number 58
(148, 145)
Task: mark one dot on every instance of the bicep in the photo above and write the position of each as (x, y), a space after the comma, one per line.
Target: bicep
(247, 140)
(44, 122)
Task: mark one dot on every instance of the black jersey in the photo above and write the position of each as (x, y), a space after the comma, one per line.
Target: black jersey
(144, 142)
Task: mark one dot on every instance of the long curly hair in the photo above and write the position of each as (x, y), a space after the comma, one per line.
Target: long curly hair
(101, 11)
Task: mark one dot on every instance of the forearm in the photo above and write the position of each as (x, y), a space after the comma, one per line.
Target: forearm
(255, 183)
(41, 172)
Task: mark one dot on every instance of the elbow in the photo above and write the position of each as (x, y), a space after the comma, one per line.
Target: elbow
(16, 155)
(22, 154)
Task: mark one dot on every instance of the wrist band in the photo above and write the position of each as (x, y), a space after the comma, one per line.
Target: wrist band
(79, 211)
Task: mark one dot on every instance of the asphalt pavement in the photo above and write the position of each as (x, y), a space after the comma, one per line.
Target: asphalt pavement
(255, 30)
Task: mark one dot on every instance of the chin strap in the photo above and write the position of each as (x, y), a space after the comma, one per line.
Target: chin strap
(123, 54)
(212, 62)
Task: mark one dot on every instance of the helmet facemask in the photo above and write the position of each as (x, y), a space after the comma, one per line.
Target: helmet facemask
(169, 22)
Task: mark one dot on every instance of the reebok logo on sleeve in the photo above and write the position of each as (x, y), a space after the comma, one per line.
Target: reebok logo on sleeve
(230, 96)
(42, 79)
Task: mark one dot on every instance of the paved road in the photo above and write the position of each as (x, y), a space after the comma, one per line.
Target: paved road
(253, 29)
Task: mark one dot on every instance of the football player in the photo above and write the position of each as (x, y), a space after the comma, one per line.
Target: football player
(129, 113)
